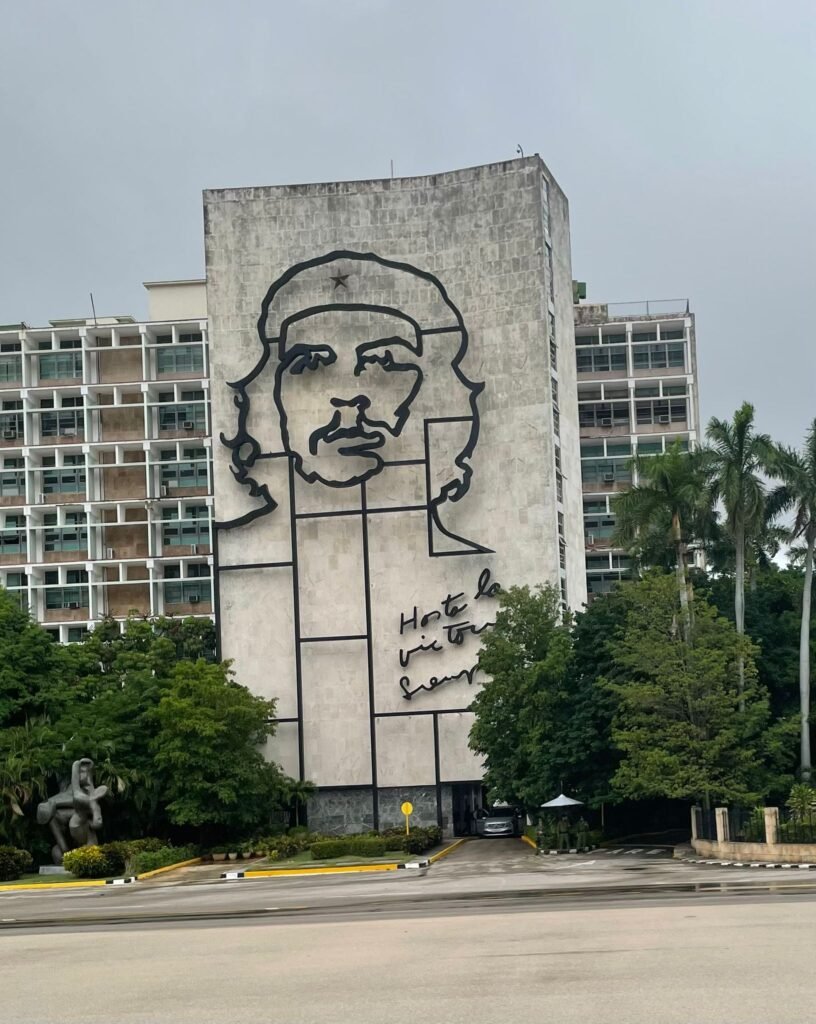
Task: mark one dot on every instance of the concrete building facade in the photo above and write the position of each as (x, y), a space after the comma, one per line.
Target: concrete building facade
(393, 389)
(636, 366)
(105, 467)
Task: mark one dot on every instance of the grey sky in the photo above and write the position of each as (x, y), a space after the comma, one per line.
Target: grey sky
(683, 133)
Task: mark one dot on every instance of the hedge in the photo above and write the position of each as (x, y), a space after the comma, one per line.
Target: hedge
(13, 863)
(150, 860)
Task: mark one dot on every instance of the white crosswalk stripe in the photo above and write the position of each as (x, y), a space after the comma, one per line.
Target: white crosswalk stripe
(651, 853)
(634, 851)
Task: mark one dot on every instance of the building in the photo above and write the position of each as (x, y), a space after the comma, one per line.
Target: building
(393, 372)
(637, 393)
(379, 406)
(106, 486)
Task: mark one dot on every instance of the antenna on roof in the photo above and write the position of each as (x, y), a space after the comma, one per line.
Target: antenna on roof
(93, 309)
(519, 150)
(392, 168)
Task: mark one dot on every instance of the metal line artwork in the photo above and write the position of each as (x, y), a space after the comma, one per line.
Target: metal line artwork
(449, 634)
(373, 374)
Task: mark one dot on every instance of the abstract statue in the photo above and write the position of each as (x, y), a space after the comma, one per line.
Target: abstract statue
(76, 806)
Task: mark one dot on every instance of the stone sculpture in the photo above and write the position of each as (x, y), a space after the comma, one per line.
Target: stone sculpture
(75, 807)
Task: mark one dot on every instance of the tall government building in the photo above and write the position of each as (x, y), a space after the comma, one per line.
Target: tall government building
(364, 421)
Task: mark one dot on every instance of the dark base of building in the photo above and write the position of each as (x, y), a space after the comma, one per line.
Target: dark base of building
(354, 809)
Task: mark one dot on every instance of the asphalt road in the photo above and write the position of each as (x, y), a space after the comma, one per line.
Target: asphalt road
(748, 960)
(490, 873)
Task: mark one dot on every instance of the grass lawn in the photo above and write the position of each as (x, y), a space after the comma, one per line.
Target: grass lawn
(42, 879)
(304, 860)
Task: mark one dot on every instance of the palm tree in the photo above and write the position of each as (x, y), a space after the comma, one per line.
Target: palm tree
(735, 458)
(669, 498)
(797, 492)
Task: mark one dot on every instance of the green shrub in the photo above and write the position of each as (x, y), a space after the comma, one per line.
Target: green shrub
(328, 849)
(87, 862)
(366, 846)
(13, 863)
(150, 860)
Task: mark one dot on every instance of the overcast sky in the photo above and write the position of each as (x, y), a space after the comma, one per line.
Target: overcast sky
(683, 133)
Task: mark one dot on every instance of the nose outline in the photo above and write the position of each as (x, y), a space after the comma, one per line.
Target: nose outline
(360, 402)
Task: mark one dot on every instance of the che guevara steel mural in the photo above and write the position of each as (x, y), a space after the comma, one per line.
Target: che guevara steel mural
(359, 386)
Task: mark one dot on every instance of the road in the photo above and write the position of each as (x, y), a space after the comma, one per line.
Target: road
(491, 933)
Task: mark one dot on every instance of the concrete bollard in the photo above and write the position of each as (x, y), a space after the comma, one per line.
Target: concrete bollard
(694, 835)
(771, 825)
(721, 817)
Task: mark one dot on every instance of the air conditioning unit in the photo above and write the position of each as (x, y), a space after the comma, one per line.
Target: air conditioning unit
(590, 539)
(73, 604)
(194, 598)
(663, 419)
(609, 478)
(41, 498)
(9, 435)
(194, 549)
(189, 425)
(165, 491)
(109, 553)
(69, 432)
(606, 422)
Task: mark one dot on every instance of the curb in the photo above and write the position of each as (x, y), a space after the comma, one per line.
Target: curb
(169, 867)
(420, 866)
(747, 864)
(529, 841)
(448, 849)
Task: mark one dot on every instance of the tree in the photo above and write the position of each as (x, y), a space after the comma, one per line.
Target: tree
(669, 497)
(736, 457)
(797, 492)
(208, 748)
(520, 711)
(675, 722)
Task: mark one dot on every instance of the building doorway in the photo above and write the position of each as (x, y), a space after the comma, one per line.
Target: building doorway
(467, 799)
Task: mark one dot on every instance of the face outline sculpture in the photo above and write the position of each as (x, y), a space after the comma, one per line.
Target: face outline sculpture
(370, 365)
(380, 405)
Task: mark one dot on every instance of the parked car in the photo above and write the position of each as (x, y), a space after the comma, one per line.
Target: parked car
(499, 820)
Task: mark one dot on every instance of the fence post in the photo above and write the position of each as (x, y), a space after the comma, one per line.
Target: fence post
(694, 830)
(723, 831)
(771, 825)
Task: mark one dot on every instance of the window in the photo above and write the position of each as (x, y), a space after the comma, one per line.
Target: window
(75, 595)
(195, 588)
(658, 357)
(195, 336)
(12, 479)
(601, 360)
(556, 422)
(674, 389)
(562, 554)
(11, 368)
(180, 359)
(647, 391)
(16, 580)
(554, 389)
(73, 536)
(191, 410)
(553, 356)
(192, 528)
(11, 419)
(661, 412)
(592, 450)
(13, 536)
(598, 529)
(650, 447)
(560, 524)
(605, 473)
(586, 339)
(67, 421)
(61, 365)
(68, 479)
(644, 336)
(672, 335)
(604, 414)
(550, 273)
(594, 505)
(613, 339)
(559, 486)
(76, 634)
(621, 448)
(190, 471)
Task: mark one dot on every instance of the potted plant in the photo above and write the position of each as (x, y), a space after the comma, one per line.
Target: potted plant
(219, 853)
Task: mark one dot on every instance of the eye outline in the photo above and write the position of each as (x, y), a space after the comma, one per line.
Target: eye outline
(302, 357)
(380, 353)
